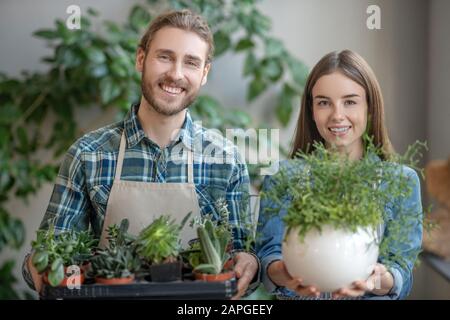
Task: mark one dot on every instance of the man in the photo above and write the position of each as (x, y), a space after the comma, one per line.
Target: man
(128, 169)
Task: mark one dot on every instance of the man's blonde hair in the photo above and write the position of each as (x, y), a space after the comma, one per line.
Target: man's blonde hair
(181, 19)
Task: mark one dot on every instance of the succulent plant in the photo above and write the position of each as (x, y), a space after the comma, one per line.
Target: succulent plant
(119, 259)
(160, 240)
(54, 252)
(214, 239)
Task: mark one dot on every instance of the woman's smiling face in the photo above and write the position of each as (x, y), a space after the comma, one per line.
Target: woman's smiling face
(340, 112)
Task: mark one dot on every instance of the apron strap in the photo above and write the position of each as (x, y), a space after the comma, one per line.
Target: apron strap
(120, 157)
(190, 166)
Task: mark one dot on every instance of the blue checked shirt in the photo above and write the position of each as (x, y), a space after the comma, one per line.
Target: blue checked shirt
(86, 175)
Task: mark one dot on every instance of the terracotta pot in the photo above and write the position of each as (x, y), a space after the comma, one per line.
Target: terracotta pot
(221, 277)
(64, 283)
(114, 281)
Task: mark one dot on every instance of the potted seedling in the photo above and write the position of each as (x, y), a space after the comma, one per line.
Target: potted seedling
(213, 261)
(118, 262)
(159, 246)
(335, 213)
(61, 257)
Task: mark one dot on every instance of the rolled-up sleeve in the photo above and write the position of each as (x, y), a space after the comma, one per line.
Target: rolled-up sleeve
(269, 234)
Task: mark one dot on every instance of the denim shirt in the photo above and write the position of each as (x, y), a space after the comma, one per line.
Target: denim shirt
(271, 229)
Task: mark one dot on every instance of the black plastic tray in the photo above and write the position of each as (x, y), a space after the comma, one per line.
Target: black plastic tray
(187, 289)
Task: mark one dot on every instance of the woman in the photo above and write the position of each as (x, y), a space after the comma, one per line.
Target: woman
(342, 101)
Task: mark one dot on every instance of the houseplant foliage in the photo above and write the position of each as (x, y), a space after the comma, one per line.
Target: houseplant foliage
(53, 252)
(211, 253)
(159, 246)
(95, 66)
(324, 192)
(119, 259)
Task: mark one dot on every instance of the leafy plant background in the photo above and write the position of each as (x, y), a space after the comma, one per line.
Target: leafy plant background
(89, 67)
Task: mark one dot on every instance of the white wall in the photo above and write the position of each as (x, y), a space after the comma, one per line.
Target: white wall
(438, 106)
(398, 54)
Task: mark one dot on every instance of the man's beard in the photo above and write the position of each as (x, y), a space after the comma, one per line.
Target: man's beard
(163, 107)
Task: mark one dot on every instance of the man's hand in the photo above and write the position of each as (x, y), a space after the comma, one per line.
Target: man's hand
(245, 267)
(380, 283)
(280, 276)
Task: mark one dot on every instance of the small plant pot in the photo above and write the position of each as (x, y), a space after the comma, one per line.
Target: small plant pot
(166, 272)
(221, 277)
(64, 282)
(114, 281)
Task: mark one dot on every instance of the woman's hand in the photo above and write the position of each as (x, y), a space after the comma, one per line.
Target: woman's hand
(380, 282)
(280, 276)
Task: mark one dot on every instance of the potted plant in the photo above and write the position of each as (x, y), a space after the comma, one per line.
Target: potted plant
(336, 212)
(57, 257)
(159, 246)
(212, 260)
(118, 263)
(215, 258)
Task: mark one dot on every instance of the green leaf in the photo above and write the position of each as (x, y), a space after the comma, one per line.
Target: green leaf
(9, 113)
(95, 55)
(46, 34)
(257, 86)
(23, 138)
(272, 69)
(108, 90)
(273, 47)
(99, 70)
(56, 275)
(284, 107)
(222, 42)
(6, 181)
(12, 231)
(66, 57)
(119, 69)
(244, 44)
(139, 18)
(240, 119)
(40, 260)
(260, 23)
(298, 69)
(250, 64)
(206, 268)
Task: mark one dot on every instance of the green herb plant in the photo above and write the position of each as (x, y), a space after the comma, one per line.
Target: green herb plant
(325, 188)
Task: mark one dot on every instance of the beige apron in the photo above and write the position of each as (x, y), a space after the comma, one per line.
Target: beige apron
(142, 202)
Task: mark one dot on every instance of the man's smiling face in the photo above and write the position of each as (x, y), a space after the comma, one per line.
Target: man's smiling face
(173, 69)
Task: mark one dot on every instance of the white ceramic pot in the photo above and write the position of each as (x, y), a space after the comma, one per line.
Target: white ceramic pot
(331, 259)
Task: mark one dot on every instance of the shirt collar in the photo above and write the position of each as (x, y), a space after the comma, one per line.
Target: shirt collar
(134, 132)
